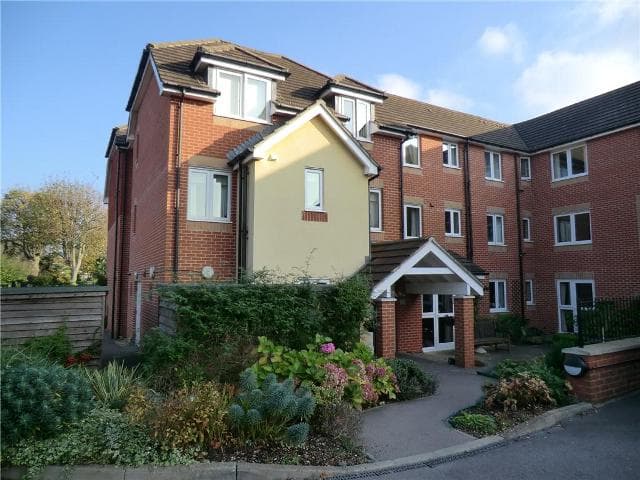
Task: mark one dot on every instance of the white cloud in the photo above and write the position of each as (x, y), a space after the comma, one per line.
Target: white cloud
(399, 85)
(405, 87)
(449, 99)
(609, 12)
(502, 41)
(560, 78)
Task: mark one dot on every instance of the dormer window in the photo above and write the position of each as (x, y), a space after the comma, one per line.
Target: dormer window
(358, 113)
(242, 96)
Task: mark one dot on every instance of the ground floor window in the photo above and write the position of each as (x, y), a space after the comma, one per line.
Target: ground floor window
(437, 322)
(571, 295)
(528, 291)
(497, 296)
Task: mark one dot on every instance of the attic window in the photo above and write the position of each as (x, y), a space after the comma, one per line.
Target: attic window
(358, 113)
(242, 96)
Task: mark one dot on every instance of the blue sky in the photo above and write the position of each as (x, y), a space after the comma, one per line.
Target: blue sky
(67, 69)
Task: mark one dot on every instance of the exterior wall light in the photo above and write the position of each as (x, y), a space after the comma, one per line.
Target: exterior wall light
(575, 366)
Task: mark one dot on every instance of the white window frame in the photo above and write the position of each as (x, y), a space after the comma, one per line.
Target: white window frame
(573, 306)
(450, 164)
(528, 160)
(406, 207)
(243, 106)
(415, 139)
(319, 171)
(354, 120)
(453, 212)
(506, 301)
(526, 232)
(569, 163)
(378, 192)
(211, 172)
(531, 300)
(573, 240)
(493, 219)
(492, 172)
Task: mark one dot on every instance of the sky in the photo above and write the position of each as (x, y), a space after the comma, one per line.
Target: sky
(67, 68)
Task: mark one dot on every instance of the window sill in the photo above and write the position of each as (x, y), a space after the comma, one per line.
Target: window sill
(571, 177)
(491, 244)
(208, 220)
(498, 310)
(314, 216)
(365, 140)
(572, 244)
(499, 180)
(451, 235)
(525, 179)
(451, 166)
(410, 166)
(410, 238)
(376, 230)
(527, 240)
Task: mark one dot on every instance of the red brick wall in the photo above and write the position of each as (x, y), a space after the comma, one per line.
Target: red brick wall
(409, 323)
(609, 376)
(385, 336)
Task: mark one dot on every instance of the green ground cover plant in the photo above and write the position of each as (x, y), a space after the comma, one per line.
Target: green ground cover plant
(412, 381)
(476, 423)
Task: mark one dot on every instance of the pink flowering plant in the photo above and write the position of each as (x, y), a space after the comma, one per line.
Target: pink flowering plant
(329, 372)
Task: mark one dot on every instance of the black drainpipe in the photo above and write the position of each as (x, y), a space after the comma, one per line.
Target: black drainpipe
(243, 231)
(176, 225)
(115, 249)
(467, 202)
(519, 230)
(402, 188)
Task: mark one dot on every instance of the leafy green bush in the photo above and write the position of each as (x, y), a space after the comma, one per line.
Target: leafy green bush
(560, 389)
(103, 437)
(513, 326)
(192, 417)
(56, 347)
(412, 381)
(337, 420)
(271, 411)
(522, 391)
(13, 271)
(555, 358)
(41, 400)
(360, 380)
(476, 423)
(112, 385)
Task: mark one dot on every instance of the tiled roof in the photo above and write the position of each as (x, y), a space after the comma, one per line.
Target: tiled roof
(303, 86)
(251, 142)
(119, 136)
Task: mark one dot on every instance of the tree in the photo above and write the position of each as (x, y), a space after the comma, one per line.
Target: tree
(79, 222)
(26, 228)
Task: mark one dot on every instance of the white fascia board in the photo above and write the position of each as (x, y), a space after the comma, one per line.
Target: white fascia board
(317, 109)
(353, 94)
(240, 68)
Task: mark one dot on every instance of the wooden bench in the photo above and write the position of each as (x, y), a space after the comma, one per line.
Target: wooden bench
(486, 334)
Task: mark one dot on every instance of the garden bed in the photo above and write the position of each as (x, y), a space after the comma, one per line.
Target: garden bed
(503, 420)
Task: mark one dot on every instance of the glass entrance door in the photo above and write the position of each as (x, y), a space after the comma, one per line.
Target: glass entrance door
(437, 322)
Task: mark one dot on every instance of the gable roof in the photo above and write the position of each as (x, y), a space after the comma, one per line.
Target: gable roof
(258, 145)
(174, 64)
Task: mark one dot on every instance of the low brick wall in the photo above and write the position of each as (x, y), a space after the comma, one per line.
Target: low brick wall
(613, 370)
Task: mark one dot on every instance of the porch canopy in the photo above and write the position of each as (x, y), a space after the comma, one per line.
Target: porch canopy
(424, 266)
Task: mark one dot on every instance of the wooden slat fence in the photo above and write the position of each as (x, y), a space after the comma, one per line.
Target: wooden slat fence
(33, 312)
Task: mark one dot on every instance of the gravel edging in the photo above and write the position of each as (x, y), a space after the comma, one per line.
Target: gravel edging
(260, 471)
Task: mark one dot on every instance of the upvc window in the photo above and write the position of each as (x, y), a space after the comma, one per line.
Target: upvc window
(492, 166)
(375, 210)
(359, 116)
(242, 96)
(497, 296)
(209, 195)
(573, 228)
(452, 223)
(495, 229)
(571, 295)
(526, 229)
(528, 292)
(411, 152)
(525, 168)
(313, 189)
(450, 154)
(412, 221)
(569, 163)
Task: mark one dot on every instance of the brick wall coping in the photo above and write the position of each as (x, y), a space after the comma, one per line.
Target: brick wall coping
(604, 348)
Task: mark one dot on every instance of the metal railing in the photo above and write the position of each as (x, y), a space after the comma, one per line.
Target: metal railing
(607, 319)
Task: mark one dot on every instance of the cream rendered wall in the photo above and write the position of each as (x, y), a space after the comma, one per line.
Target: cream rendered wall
(279, 239)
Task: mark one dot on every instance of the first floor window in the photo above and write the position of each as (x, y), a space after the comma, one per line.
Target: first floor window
(452, 223)
(313, 189)
(358, 113)
(495, 229)
(209, 195)
(242, 95)
(525, 168)
(526, 229)
(573, 228)
(497, 296)
(412, 221)
(573, 294)
(450, 154)
(411, 152)
(492, 166)
(528, 291)
(568, 163)
(375, 210)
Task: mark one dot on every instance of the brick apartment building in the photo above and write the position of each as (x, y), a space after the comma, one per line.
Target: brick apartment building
(235, 159)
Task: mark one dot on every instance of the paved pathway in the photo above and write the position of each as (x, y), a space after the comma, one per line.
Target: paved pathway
(418, 426)
(602, 445)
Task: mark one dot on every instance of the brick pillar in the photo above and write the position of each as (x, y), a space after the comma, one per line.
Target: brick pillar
(386, 331)
(465, 351)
